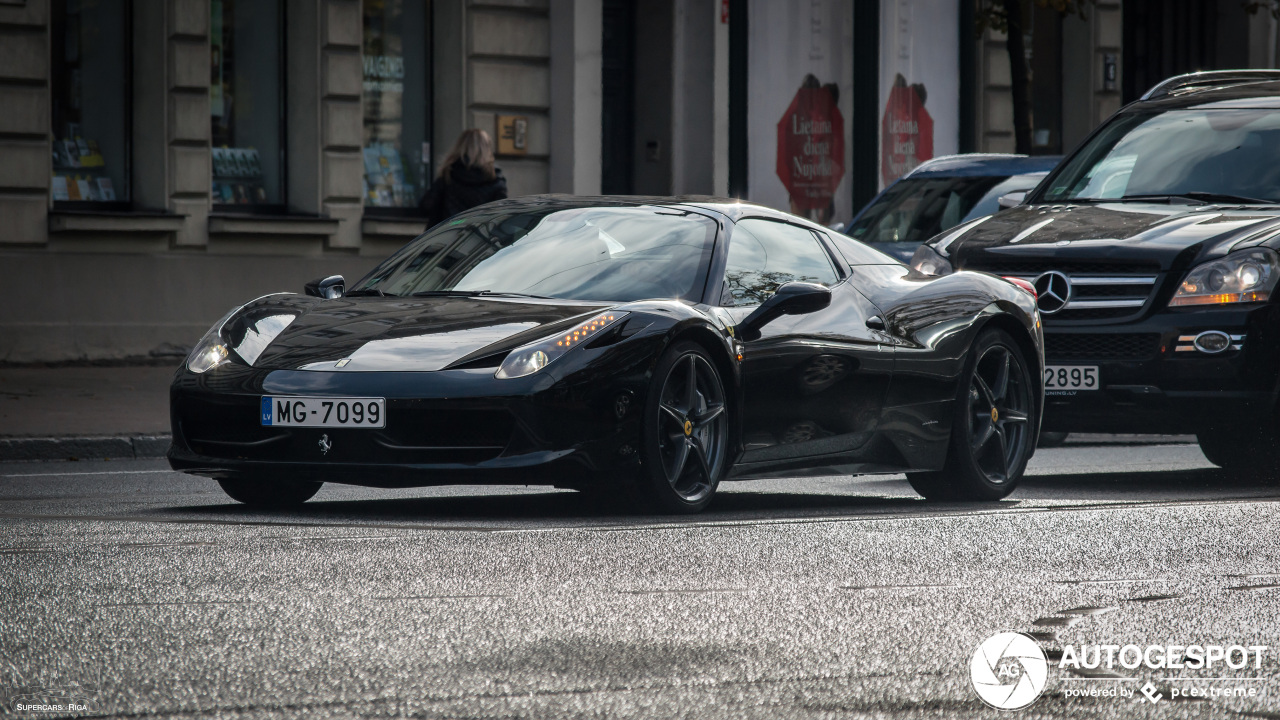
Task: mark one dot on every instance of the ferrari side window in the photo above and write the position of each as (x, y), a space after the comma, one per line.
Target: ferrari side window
(764, 254)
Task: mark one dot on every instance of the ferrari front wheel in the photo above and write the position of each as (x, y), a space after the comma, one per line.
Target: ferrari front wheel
(686, 438)
(991, 427)
(270, 494)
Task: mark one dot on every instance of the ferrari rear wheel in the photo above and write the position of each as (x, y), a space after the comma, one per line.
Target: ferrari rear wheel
(991, 428)
(274, 494)
(686, 432)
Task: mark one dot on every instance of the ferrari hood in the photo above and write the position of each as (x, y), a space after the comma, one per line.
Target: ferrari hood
(365, 334)
(1156, 233)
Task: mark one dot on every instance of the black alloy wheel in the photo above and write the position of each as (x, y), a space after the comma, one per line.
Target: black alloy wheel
(687, 431)
(992, 427)
(270, 494)
(999, 408)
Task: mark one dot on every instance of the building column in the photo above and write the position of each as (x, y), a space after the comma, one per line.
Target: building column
(576, 96)
(693, 105)
(185, 123)
(1262, 39)
(1108, 43)
(720, 101)
(24, 123)
(323, 112)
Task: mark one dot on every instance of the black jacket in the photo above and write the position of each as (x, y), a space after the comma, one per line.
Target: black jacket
(462, 188)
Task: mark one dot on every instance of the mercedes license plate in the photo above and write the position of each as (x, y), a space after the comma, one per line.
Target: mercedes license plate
(1071, 377)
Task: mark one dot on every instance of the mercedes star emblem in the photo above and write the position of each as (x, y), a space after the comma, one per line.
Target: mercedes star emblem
(325, 444)
(1053, 290)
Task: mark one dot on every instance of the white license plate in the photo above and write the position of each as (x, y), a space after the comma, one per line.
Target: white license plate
(1071, 377)
(324, 411)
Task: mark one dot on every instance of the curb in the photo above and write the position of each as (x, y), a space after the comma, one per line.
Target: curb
(83, 448)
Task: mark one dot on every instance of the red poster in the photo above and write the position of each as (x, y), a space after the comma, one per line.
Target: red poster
(906, 132)
(811, 147)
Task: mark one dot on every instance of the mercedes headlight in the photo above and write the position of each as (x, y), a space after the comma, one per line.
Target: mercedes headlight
(927, 262)
(531, 358)
(1245, 276)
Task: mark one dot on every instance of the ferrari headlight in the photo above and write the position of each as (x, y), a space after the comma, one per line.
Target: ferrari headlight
(531, 358)
(1245, 276)
(210, 353)
(927, 262)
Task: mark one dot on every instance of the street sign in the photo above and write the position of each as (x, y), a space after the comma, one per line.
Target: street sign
(811, 147)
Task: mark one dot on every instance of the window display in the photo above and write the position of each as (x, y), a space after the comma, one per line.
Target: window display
(90, 136)
(397, 148)
(245, 95)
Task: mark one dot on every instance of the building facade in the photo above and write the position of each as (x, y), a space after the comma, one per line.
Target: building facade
(164, 160)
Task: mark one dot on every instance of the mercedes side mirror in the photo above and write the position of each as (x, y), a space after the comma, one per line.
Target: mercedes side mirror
(330, 288)
(793, 298)
(1013, 199)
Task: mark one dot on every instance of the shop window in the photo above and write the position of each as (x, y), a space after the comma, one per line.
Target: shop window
(397, 121)
(91, 97)
(246, 104)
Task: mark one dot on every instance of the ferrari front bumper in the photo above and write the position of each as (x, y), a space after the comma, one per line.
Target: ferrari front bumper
(444, 427)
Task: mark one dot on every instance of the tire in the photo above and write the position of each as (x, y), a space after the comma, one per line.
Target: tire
(686, 433)
(1052, 439)
(270, 494)
(1246, 450)
(991, 426)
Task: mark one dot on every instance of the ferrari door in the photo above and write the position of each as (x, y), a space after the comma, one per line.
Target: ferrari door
(815, 384)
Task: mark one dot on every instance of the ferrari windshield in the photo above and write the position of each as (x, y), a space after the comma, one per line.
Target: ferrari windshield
(616, 254)
(1213, 155)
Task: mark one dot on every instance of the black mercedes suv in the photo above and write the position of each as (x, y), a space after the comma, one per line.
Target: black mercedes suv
(1153, 250)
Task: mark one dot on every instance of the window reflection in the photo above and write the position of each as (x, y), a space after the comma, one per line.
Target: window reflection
(397, 150)
(90, 101)
(245, 96)
(616, 254)
(764, 255)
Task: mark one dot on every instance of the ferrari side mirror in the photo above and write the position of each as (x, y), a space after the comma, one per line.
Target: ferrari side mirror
(793, 298)
(330, 288)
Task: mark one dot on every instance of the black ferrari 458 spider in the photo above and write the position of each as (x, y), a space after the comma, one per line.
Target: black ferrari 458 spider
(637, 348)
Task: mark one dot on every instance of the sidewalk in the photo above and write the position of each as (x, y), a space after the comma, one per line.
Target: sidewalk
(86, 413)
(65, 413)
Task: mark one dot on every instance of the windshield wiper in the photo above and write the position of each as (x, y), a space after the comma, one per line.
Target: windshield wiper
(446, 293)
(374, 292)
(1204, 197)
(475, 293)
(499, 293)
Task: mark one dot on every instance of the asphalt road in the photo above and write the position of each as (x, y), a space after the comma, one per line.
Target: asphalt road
(141, 592)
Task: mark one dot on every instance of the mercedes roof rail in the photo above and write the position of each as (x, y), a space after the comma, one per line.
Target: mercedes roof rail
(1209, 79)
